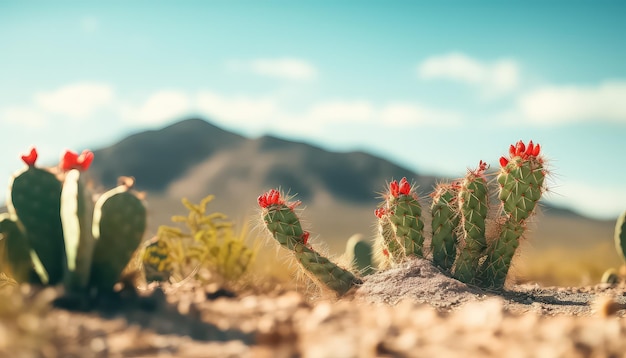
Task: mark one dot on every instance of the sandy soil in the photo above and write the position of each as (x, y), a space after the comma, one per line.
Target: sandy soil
(410, 311)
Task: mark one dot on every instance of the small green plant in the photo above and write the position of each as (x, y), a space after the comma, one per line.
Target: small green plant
(359, 255)
(459, 223)
(209, 243)
(613, 276)
(54, 233)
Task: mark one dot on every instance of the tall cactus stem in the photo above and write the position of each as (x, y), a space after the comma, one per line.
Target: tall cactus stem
(521, 181)
(445, 222)
(76, 217)
(474, 205)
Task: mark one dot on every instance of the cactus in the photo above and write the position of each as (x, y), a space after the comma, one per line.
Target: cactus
(359, 254)
(55, 229)
(119, 222)
(76, 209)
(445, 222)
(35, 198)
(400, 223)
(620, 236)
(15, 249)
(474, 206)
(521, 180)
(282, 222)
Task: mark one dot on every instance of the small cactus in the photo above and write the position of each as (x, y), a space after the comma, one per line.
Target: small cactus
(119, 222)
(474, 205)
(445, 223)
(521, 180)
(35, 198)
(620, 236)
(359, 254)
(282, 222)
(400, 223)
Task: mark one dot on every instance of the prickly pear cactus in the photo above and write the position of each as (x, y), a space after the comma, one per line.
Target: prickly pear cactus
(15, 259)
(119, 222)
(445, 222)
(474, 206)
(284, 225)
(35, 198)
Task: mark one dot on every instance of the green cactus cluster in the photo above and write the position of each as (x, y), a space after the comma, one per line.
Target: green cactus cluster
(55, 234)
(459, 213)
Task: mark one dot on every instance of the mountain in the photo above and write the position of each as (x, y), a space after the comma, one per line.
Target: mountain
(193, 158)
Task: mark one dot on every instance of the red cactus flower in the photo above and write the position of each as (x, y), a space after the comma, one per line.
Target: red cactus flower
(521, 150)
(31, 157)
(305, 237)
(272, 197)
(380, 212)
(396, 189)
(386, 252)
(72, 160)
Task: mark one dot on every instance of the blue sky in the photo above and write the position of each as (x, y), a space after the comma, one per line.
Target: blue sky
(435, 88)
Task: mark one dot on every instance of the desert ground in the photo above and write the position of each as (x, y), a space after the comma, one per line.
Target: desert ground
(413, 310)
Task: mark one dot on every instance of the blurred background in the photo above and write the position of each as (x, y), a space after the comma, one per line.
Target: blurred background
(329, 100)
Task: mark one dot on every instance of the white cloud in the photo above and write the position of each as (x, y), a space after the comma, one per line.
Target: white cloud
(24, 116)
(282, 68)
(403, 114)
(77, 101)
(584, 197)
(494, 79)
(241, 109)
(341, 111)
(563, 104)
(159, 107)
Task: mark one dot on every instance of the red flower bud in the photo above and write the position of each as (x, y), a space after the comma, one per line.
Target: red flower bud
(394, 189)
(380, 212)
(72, 160)
(305, 237)
(272, 197)
(31, 157)
(536, 150)
(503, 162)
(405, 187)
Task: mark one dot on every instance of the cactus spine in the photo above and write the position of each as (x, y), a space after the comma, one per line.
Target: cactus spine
(521, 181)
(445, 222)
(474, 205)
(284, 225)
